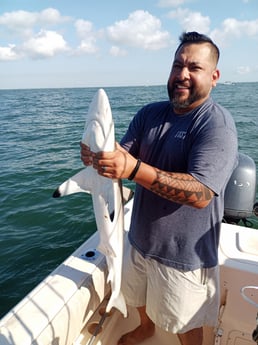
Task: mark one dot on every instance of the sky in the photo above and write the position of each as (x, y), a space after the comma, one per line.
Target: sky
(100, 43)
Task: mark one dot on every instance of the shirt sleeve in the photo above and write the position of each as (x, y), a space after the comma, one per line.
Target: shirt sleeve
(213, 155)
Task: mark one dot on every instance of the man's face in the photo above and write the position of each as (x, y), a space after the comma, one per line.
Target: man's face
(192, 77)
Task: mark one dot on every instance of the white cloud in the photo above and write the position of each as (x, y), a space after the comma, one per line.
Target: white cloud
(8, 53)
(22, 22)
(83, 28)
(242, 70)
(21, 25)
(233, 28)
(32, 36)
(44, 45)
(18, 22)
(191, 21)
(141, 29)
(88, 37)
(18, 18)
(171, 3)
(51, 16)
(117, 51)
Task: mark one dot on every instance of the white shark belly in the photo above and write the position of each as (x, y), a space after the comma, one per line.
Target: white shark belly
(106, 195)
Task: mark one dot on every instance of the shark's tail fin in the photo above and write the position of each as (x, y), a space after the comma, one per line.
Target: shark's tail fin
(118, 302)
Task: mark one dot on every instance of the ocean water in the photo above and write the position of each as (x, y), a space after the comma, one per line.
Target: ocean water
(40, 134)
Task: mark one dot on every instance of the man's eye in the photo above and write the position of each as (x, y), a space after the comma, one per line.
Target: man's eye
(195, 68)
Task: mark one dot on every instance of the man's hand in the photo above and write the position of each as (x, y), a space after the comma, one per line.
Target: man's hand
(86, 154)
(116, 164)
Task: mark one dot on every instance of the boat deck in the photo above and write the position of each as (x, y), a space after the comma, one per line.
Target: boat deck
(237, 318)
(115, 325)
(67, 306)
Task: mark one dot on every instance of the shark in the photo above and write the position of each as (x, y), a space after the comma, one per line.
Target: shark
(99, 135)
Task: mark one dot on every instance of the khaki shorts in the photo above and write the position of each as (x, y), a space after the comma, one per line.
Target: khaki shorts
(175, 300)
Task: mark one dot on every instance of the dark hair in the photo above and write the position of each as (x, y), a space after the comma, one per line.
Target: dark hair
(195, 37)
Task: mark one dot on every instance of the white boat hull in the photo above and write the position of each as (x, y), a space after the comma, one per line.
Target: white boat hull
(65, 307)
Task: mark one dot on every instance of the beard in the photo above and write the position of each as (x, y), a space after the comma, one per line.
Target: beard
(182, 104)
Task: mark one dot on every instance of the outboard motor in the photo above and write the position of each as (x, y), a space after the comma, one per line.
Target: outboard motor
(240, 193)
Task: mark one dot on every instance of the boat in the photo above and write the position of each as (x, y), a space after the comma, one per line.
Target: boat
(228, 82)
(68, 306)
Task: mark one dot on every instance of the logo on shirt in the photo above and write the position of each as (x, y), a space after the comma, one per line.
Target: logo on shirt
(180, 134)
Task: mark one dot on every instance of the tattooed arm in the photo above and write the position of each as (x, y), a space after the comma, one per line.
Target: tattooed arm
(178, 187)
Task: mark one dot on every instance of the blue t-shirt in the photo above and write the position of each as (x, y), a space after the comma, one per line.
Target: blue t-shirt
(202, 143)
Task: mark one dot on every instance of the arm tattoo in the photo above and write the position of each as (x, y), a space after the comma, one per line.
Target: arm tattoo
(181, 188)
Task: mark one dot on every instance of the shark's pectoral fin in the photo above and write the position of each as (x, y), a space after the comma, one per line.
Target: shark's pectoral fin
(82, 182)
(56, 193)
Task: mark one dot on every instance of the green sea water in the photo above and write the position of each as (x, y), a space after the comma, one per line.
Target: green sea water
(40, 134)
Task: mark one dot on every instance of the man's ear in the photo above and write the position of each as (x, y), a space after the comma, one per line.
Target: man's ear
(215, 77)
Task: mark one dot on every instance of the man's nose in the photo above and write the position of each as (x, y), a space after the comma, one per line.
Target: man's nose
(183, 73)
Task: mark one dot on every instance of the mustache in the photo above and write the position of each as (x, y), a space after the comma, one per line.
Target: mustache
(181, 83)
(171, 87)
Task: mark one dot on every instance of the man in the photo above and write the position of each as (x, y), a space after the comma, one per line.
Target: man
(181, 154)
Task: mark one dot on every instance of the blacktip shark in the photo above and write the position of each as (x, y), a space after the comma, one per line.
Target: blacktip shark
(106, 193)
